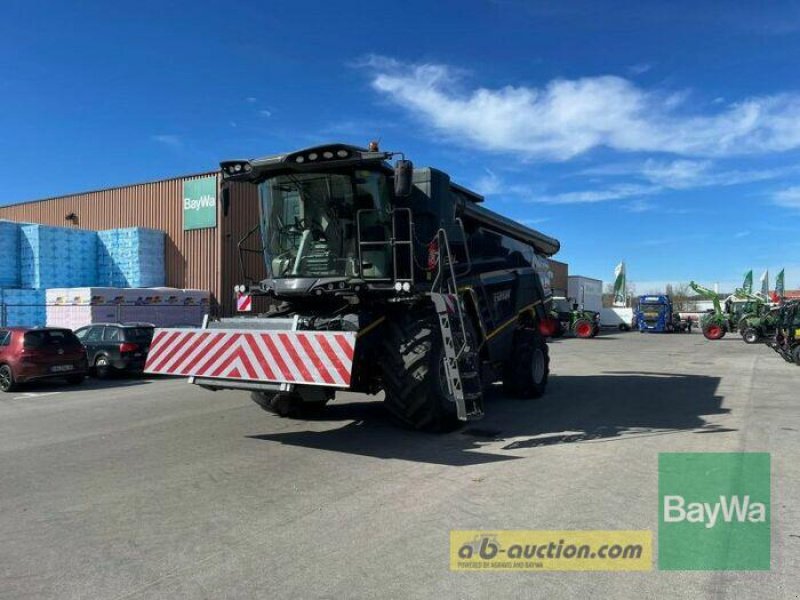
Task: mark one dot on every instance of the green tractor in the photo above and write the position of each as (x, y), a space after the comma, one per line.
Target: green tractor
(731, 317)
(756, 328)
(573, 319)
(787, 333)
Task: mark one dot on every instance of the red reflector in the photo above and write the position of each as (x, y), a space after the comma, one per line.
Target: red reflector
(547, 327)
(128, 347)
(433, 254)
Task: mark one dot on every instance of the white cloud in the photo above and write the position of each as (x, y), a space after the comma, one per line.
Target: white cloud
(566, 118)
(168, 139)
(265, 113)
(788, 198)
(621, 191)
(251, 99)
(639, 68)
(489, 184)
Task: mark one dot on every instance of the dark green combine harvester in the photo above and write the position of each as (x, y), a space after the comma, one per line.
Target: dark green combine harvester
(787, 335)
(441, 296)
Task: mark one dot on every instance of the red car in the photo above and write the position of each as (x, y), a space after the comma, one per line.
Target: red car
(41, 353)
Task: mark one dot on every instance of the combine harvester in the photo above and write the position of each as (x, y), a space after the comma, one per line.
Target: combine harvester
(787, 335)
(381, 279)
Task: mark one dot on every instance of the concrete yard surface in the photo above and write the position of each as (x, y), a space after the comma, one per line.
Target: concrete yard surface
(158, 489)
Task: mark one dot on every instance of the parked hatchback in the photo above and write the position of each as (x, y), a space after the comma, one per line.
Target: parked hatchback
(116, 347)
(41, 353)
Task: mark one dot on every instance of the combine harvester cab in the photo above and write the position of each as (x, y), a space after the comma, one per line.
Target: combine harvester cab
(379, 279)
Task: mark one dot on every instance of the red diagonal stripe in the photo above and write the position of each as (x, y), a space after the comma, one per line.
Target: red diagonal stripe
(344, 345)
(175, 346)
(276, 356)
(214, 357)
(189, 348)
(316, 360)
(331, 354)
(157, 348)
(216, 338)
(296, 359)
(262, 360)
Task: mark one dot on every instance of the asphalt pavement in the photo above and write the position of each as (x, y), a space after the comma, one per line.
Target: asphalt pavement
(158, 489)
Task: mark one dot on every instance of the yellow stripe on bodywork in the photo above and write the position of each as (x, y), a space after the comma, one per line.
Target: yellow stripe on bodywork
(371, 326)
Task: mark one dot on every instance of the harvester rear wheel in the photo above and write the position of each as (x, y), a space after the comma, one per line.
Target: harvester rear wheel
(583, 328)
(714, 331)
(527, 372)
(750, 335)
(412, 370)
(286, 404)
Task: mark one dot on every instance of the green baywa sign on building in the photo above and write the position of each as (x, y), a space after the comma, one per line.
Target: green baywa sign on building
(200, 203)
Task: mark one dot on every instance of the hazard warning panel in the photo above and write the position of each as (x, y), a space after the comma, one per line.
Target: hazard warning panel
(244, 303)
(310, 357)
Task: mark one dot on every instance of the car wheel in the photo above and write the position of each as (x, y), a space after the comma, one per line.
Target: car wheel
(102, 368)
(7, 383)
(750, 336)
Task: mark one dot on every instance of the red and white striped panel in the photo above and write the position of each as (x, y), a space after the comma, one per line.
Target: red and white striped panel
(311, 357)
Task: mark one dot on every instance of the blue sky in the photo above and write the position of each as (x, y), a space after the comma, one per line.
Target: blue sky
(667, 135)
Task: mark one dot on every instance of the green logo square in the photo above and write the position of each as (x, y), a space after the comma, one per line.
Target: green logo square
(714, 511)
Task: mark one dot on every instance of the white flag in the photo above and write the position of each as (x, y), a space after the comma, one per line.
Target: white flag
(620, 287)
(765, 283)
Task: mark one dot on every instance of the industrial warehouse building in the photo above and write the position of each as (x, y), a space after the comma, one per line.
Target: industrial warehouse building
(201, 242)
(201, 249)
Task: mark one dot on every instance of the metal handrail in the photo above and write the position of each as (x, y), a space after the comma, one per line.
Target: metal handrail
(442, 235)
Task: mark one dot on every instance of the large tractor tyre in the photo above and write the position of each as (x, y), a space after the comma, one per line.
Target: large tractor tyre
(7, 383)
(527, 372)
(286, 404)
(714, 331)
(412, 369)
(583, 328)
(750, 335)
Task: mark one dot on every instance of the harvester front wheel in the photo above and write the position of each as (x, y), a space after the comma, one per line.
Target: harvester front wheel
(583, 328)
(286, 404)
(714, 331)
(527, 372)
(412, 369)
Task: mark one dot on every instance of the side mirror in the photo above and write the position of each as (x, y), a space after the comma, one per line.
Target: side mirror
(226, 200)
(403, 178)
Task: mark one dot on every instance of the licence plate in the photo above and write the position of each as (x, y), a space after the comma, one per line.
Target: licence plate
(61, 368)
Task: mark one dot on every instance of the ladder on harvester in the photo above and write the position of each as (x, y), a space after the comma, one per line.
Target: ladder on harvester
(461, 360)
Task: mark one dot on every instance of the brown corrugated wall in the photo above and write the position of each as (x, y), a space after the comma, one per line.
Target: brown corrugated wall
(200, 259)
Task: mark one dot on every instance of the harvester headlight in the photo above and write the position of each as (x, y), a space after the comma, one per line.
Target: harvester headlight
(300, 159)
(318, 292)
(330, 286)
(398, 287)
(238, 168)
(406, 287)
(313, 156)
(327, 154)
(342, 153)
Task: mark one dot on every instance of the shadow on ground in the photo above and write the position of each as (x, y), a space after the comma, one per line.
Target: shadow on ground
(90, 383)
(593, 408)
